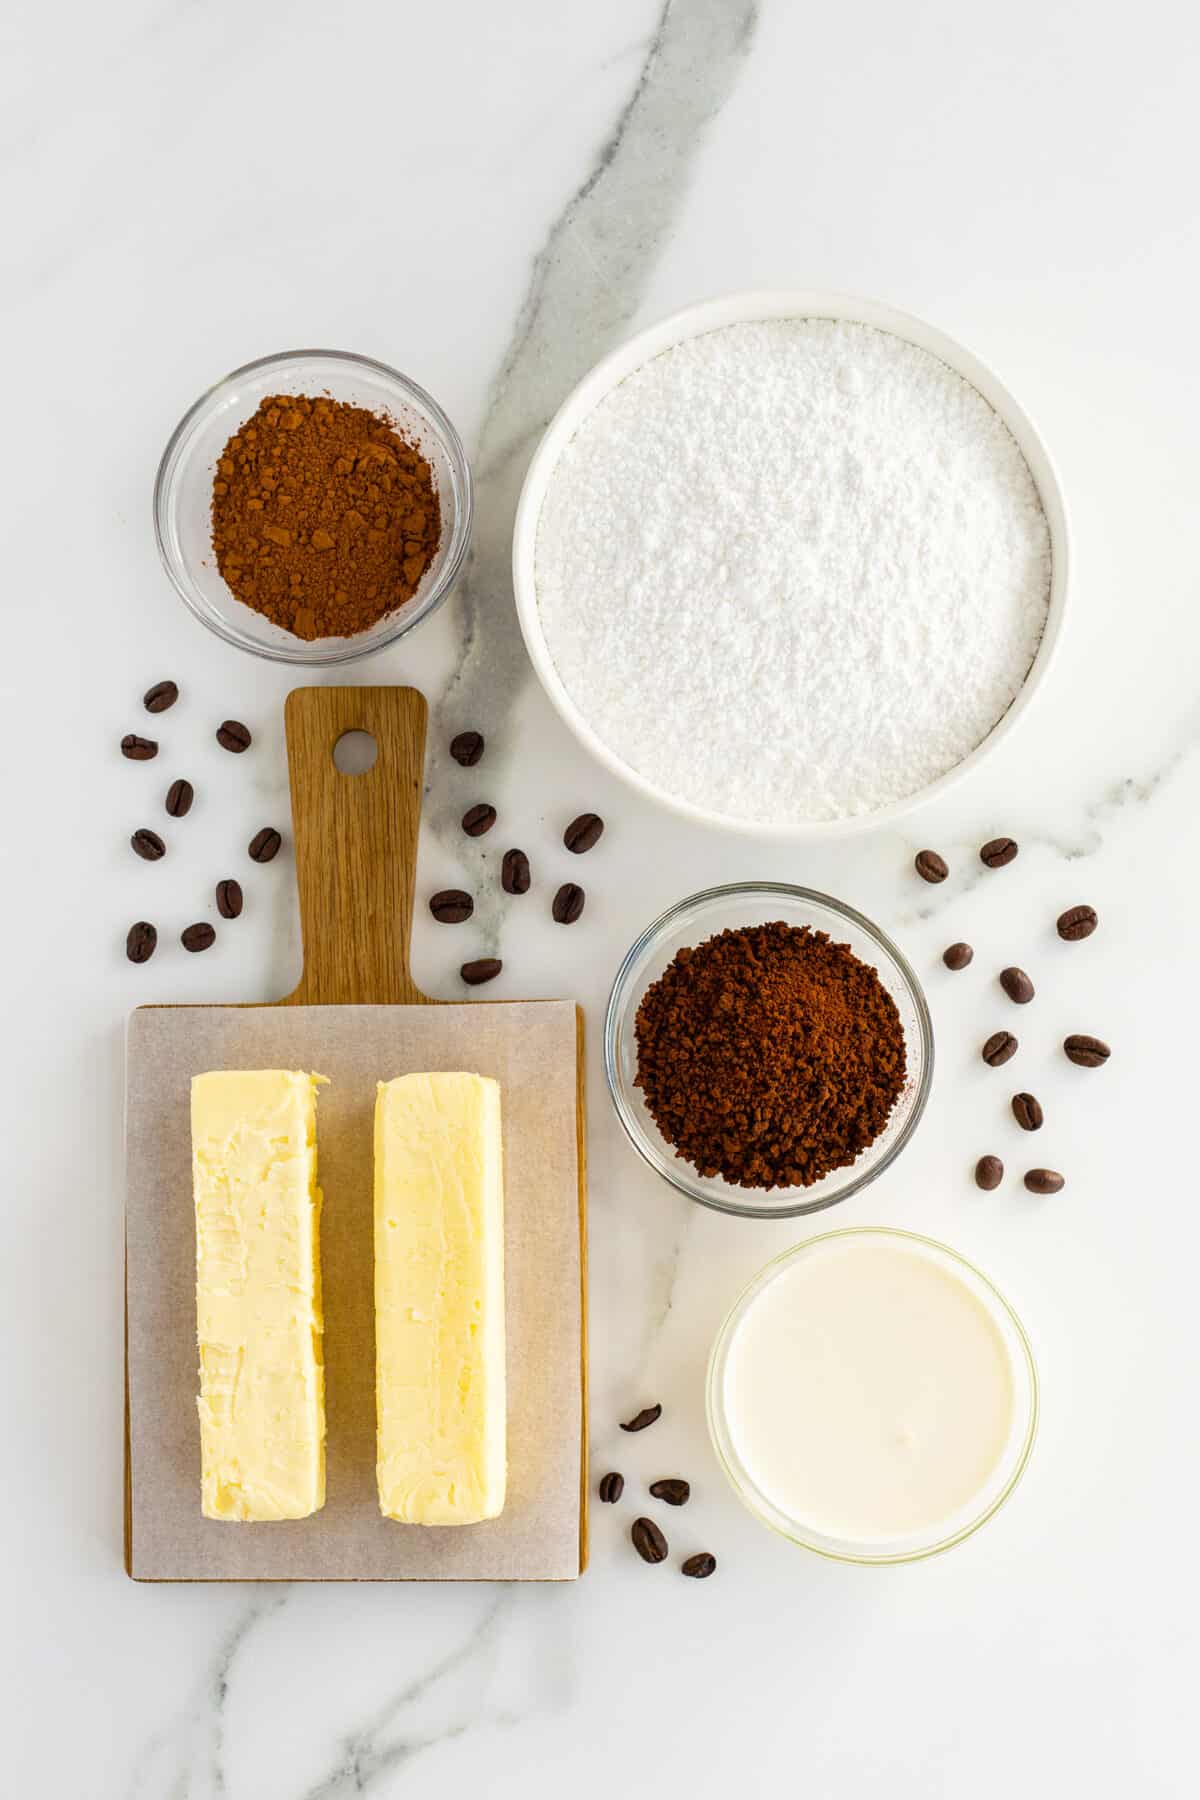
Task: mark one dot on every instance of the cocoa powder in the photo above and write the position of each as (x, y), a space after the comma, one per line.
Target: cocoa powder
(324, 518)
(769, 1055)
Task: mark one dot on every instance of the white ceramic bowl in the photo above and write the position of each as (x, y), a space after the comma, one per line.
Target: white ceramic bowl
(695, 321)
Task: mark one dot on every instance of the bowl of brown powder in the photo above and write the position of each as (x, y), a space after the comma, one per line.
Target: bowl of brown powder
(767, 1048)
(313, 506)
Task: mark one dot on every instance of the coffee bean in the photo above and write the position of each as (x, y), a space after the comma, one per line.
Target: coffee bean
(700, 1566)
(157, 698)
(179, 799)
(958, 956)
(264, 846)
(485, 969)
(1086, 1052)
(568, 903)
(1017, 986)
(611, 1488)
(138, 749)
(148, 845)
(451, 906)
(232, 735)
(478, 819)
(584, 833)
(997, 852)
(639, 1421)
(514, 872)
(989, 1173)
(1076, 923)
(467, 748)
(930, 866)
(999, 1048)
(1027, 1112)
(198, 937)
(674, 1490)
(141, 941)
(229, 898)
(1043, 1181)
(648, 1541)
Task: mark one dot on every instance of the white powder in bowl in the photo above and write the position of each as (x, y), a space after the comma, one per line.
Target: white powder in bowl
(792, 570)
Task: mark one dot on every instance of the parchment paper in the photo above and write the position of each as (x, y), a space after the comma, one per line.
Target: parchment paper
(530, 1048)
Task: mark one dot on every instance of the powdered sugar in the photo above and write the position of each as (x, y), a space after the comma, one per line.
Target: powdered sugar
(792, 570)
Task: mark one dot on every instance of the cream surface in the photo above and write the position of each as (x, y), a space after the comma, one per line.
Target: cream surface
(869, 1393)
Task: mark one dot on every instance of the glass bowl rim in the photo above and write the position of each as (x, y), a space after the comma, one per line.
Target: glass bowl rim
(618, 1006)
(200, 408)
(714, 1411)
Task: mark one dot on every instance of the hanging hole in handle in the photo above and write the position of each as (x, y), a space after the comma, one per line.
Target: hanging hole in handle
(355, 753)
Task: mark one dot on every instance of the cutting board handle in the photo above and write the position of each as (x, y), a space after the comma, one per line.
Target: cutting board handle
(356, 843)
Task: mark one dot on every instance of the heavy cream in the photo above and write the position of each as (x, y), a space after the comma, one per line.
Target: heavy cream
(869, 1391)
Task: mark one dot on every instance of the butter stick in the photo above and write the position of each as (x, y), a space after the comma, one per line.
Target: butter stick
(439, 1299)
(258, 1294)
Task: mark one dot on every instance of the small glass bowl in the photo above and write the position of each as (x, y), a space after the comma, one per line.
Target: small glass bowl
(991, 1497)
(689, 923)
(183, 495)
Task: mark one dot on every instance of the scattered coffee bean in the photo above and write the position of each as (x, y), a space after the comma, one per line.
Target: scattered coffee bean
(179, 799)
(700, 1566)
(148, 845)
(958, 956)
(141, 941)
(200, 936)
(478, 819)
(1028, 1112)
(568, 903)
(1043, 1181)
(583, 833)
(485, 969)
(232, 735)
(157, 698)
(674, 1490)
(648, 1541)
(989, 1173)
(514, 872)
(611, 1488)
(451, 906)
(1076, 923)
(1086, 1052)
(138, 749)
(229, 898)
(467, 748)
(997, 852)
(1017, 986)
(1000, 1047)
(930, 866)
(264, 846)
(639, 1421)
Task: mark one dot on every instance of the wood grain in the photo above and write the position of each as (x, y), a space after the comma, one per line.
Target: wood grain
(356, 843)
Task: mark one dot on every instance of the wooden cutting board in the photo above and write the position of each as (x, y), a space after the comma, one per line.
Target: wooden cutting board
(358, 1017)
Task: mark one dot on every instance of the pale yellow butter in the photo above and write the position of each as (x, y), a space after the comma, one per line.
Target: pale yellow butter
(439, 1299)
(258, 1294)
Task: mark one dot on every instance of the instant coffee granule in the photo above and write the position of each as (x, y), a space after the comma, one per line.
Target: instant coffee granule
(769, 1055)
(324, 519)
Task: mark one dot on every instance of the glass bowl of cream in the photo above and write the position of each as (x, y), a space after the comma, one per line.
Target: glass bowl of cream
(872, 1396)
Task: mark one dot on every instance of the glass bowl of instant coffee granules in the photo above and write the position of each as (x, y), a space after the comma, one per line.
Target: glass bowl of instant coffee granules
(768, 1049)
(313, 506)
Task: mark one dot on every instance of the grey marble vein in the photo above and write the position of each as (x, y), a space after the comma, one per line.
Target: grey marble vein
(191, 1750)
(375, 1748)
(585, 286)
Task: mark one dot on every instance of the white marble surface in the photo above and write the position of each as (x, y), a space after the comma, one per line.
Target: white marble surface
(488, 197)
